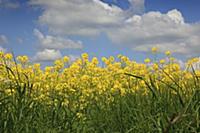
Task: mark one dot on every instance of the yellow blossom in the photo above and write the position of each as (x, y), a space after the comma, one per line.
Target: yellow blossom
(66, 59)
(147, 60)
(154, 50)
(8, 56)
(168, 53)
(162, 61)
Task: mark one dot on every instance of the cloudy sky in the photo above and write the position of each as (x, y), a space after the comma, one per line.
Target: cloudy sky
(48, 29)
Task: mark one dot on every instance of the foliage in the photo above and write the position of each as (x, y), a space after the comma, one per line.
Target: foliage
(119, 95)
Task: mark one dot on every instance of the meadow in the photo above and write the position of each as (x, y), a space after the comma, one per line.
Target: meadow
(117, 95)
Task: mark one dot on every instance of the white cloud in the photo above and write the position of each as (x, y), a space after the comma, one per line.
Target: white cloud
(47, 55)
(78, 17)
(168, 30)
(52, 42)
(3, 39)
(9, 4)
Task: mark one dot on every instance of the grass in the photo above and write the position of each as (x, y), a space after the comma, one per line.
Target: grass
(168, 108)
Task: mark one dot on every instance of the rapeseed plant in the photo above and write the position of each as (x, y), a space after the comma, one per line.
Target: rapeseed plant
(131, 96)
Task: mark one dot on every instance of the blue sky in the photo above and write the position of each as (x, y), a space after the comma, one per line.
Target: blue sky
(46, 30)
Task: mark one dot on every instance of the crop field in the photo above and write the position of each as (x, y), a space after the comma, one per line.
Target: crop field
(107, 95)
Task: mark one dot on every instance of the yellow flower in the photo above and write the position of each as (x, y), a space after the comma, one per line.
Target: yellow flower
(59, 64)
(85, 56)
(162, 61)
(154, 50)
(66, 59)
(8, 56)
(193, 61)
(95, 61)
(79, 115)
(147, 60)
(119, 56)
(36, 66)
(22, 59)
(85, 78)
(168, 53)
(1, 54)
(103, 59)
(48, 69)
(112, 59)
(172, 59)
(155, 66)
(124, 59)
(176, 67)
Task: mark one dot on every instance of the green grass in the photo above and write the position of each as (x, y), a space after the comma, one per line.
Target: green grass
(164, 112)
(157, 112)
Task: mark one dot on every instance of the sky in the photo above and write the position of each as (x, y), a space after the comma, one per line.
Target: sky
(46, 30)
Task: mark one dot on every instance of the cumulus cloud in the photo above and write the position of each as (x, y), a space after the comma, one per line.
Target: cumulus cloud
(166, 31)
(3, 39)
(50, 47)
(47, 55)
(8, 4)
(78, 17)
(139, 31)
(52, 42)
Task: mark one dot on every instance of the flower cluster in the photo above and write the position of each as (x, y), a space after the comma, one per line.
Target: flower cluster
(83, 81)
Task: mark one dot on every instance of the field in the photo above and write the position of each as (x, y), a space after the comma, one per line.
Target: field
(114, 95)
